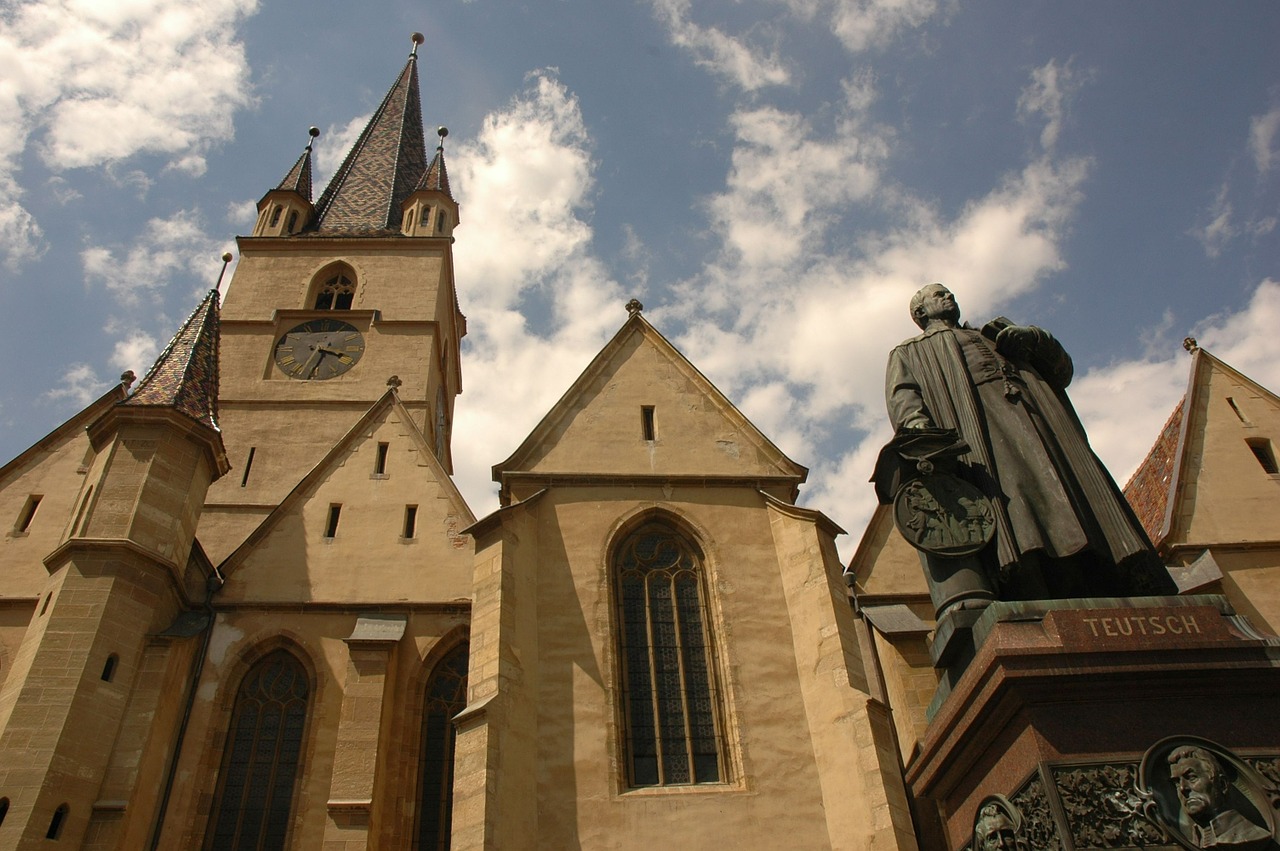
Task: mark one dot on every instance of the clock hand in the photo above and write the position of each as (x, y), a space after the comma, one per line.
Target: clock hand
(313, 363)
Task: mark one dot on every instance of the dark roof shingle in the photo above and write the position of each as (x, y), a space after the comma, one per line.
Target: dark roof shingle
(185, 376)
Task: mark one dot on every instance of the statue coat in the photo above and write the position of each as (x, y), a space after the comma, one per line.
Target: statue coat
(1027, 450)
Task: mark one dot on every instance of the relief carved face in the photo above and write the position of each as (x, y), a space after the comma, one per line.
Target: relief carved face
(1201, 785)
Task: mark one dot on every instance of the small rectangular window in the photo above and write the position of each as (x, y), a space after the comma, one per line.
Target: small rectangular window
(27, 514)
(1261, 448)
(646, 421)
(410, 520)
(380, 462)
(331, 528)
(248, 465)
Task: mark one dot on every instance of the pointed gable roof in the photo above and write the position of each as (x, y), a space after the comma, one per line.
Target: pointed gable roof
(594, 430)
(382, 168)
(185, 376)
(389, 402)
(1154, 489)
(436, 177)
(299, 177)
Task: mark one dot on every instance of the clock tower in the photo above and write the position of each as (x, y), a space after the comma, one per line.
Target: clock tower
(332, 302)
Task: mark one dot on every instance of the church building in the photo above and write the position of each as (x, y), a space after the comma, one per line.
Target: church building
(244, 606)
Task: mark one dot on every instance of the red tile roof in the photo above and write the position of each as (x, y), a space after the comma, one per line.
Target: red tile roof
(1151, 486)
(185, 376)
(383, 168)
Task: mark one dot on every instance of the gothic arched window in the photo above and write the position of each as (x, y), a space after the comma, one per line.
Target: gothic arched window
(260, 764)
(338, 290)
(669, 703)
(446, 696)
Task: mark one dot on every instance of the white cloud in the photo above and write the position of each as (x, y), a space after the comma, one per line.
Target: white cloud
(1123, 432)
(864, 24)
(794, 317)
(732, 59)
(80, 384)
(1220, 230)
(1262, 135)
(1046, 96)
(96, 83)
(523, 186)
(136, 352)
(167, 248)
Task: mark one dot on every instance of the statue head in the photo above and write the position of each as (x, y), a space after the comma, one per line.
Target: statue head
(994, 830)
(934, 301)
(1201, 782)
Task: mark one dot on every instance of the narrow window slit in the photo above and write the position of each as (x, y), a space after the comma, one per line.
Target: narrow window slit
(55, 823)
(1261, 448)
(28, 513)
(109, 668)
(410, 520)
(331, 528)
(1239, 414)
(248, 465)
(380, 463)
(646, 421)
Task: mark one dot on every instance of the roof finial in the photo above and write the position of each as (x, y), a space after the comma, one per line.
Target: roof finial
(227, 256)
(1190, 344)
(441, 131)
(417, 39)
(394, 381)
(312, 132)
(127, 378)
(634, 306)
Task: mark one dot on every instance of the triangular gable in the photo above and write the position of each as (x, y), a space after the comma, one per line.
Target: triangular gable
(290, 557)
(885, 566)
(52, 469)
(597, 429)
(1167, 485)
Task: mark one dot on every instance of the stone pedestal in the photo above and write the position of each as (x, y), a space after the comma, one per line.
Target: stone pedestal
(1064, 697)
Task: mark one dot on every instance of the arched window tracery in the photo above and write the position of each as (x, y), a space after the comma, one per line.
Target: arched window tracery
(446, 696)
(669, 700)
(337, 291)
(251, 811)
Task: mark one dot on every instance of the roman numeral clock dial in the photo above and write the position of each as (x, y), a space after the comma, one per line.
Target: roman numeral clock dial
(319, 349)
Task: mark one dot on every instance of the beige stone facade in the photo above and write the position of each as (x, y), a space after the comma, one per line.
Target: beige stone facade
(165, 585)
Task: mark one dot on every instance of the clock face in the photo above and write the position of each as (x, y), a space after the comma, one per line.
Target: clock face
(319, 349)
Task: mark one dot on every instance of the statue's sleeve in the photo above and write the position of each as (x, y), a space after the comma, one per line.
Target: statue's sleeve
(1051, 360)
(903, 396)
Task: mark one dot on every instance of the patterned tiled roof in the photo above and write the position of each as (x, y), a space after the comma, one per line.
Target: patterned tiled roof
(383, 167)
(299, 177)
(436, 176)
(1149, 489)
(185, 376)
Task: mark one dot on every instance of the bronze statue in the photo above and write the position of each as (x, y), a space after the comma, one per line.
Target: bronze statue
(988, 407)
(1203, 791)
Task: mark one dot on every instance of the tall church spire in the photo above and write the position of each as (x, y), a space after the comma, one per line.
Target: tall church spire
(388, 160)
(185, 376)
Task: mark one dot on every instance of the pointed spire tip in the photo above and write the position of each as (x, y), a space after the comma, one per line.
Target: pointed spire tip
(417, 39)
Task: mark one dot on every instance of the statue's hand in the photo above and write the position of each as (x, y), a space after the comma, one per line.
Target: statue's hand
(1017, 342)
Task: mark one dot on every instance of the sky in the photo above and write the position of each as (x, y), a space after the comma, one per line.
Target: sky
(773, 179)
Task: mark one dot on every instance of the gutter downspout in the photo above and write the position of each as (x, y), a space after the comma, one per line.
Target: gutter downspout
(213, 584)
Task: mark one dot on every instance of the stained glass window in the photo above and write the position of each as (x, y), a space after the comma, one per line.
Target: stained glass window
(669, 700)
(260, 765)
(446, 696)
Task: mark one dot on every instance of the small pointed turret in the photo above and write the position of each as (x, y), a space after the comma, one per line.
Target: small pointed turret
(431, 210)
(287, 209)
(185, 376)
(367, 193)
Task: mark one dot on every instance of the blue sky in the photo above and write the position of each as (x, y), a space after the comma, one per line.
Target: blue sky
(772, 178)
